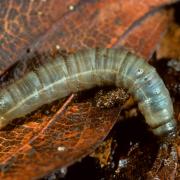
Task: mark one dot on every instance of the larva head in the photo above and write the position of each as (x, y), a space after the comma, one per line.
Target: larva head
(167, 129)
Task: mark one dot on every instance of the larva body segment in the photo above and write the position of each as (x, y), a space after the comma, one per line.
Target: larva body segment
(61, 76)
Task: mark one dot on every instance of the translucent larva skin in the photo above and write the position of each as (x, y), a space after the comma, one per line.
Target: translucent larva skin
(58, 78)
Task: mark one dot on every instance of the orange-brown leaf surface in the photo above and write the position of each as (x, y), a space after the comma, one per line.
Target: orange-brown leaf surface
(169, 46)
(42, 143)
(31, 151)
(32, 25)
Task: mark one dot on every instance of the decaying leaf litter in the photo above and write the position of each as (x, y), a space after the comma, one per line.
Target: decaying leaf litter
(73, 17)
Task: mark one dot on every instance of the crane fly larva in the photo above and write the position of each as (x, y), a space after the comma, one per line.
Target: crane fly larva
(60, 76)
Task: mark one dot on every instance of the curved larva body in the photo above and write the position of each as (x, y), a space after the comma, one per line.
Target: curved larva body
(84, 70)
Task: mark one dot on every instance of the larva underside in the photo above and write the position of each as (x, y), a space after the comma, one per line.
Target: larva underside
(93, 67)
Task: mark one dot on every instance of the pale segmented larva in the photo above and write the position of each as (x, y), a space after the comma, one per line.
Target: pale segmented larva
(93, 67)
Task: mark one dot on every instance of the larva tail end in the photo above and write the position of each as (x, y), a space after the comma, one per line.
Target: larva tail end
(167, 129)
(3, 122)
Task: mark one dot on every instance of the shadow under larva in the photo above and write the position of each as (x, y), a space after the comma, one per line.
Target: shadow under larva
(61, 75)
